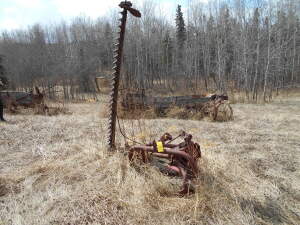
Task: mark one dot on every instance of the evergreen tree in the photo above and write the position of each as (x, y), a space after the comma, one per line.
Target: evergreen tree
(108, 45)
(168, 49)
(3, 79)
(83, 72)
(1, 67)
(212, 43)
(180, 27)
(181, 37)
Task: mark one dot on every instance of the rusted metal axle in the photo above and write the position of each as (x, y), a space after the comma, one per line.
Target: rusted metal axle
(182, 158)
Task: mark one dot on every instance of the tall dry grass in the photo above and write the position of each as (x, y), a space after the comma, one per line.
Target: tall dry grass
(55, 170)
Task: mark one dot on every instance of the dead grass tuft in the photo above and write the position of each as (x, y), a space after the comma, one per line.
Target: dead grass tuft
(178, 113)
(9, 186)
(54, 109)
(136, 113)
(3, 187)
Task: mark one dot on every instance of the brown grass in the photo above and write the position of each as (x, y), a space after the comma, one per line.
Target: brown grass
(55, 170)
(137, 113)
(178, 113)
(55, 108)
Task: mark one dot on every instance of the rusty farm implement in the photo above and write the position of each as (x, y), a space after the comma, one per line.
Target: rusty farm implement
(180, 159)
(210, 106)
(171, 159)
(13, 99)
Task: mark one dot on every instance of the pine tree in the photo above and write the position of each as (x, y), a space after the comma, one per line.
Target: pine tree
(1, 67)
(168, 48)
(181, 37)
(180, 27)
(3, 79)
(108, 45)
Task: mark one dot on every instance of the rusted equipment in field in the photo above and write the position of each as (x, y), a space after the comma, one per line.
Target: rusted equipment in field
(181, 158)
(216, 105)
(208, 105)
(13, 99)
(126, 6)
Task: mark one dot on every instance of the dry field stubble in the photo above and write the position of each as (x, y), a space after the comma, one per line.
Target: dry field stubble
(55, 170)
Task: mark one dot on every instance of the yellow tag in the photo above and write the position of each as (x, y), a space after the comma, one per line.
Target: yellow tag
(160, 147)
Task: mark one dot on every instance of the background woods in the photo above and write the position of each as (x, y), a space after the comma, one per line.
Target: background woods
(242, 46)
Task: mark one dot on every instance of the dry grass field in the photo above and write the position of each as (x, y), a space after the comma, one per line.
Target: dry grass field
(55, 170)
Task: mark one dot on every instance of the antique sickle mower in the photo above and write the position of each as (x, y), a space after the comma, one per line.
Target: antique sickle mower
(210, 106)
(180, 159)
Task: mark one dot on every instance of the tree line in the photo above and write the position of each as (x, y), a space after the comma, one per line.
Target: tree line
(243, 46)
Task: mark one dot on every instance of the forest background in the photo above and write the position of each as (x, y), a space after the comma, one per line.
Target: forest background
(249, 47)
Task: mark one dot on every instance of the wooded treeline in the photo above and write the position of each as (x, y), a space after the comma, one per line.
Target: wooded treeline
(238, 45)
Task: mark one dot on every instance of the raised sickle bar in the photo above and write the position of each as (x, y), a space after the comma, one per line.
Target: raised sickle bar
(126, 6)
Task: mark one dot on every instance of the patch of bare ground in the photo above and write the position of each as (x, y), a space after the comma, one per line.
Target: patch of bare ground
(55, 170)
